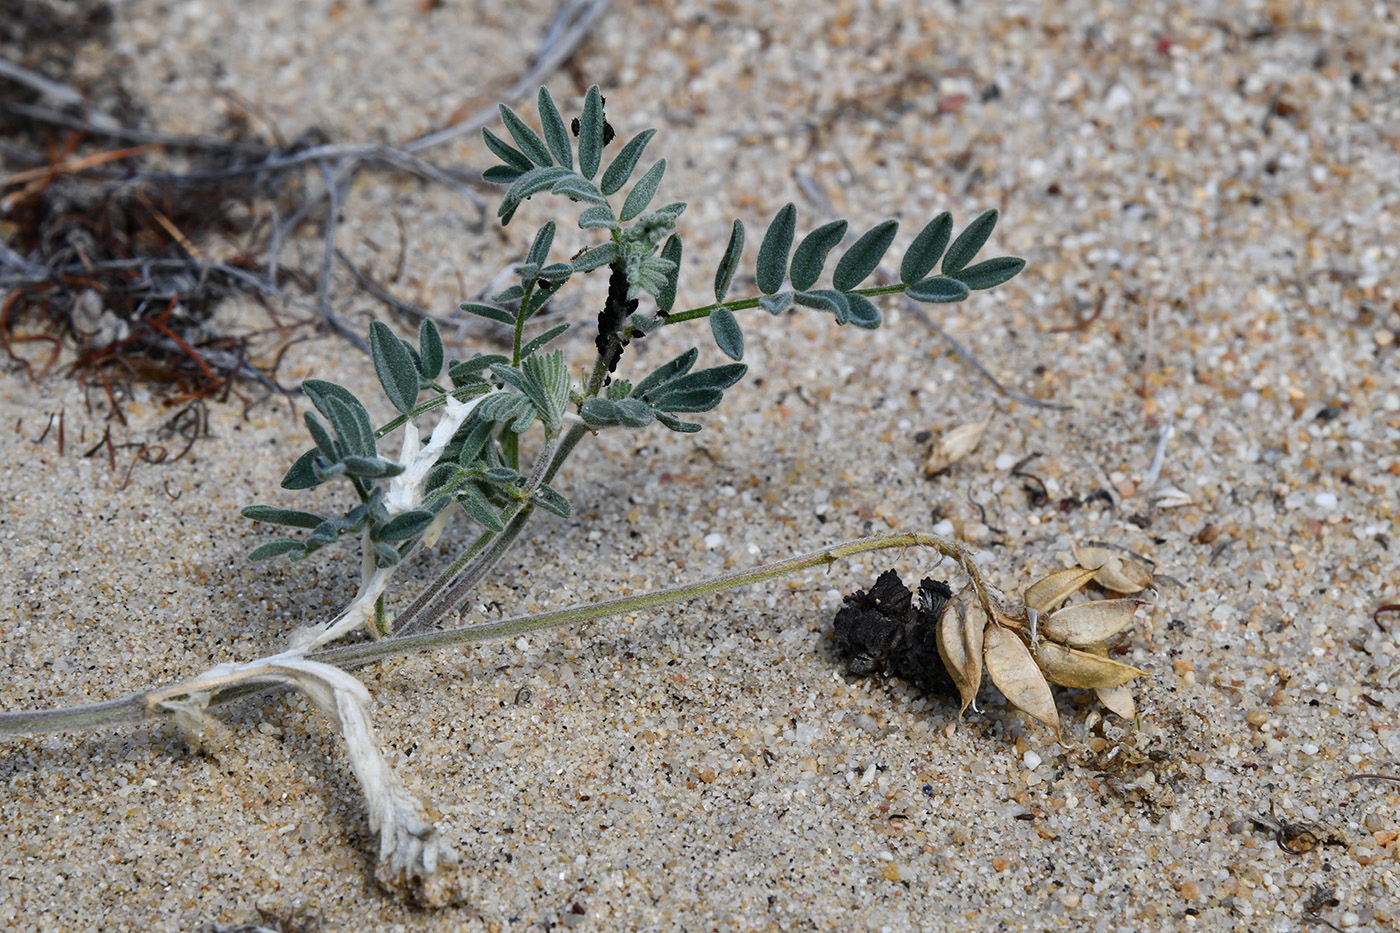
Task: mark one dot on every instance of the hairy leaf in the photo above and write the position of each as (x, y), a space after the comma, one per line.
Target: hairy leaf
(430, 349)
(599, 215)
(277, 548)
(321, 436)
(597, 257)
(926, 249)
(728, 337)
(555, 133)
(863, 311)
(525, 138)
(502, 174)
(491, 312)
(275, 516)
(724, 275)
(826, 299)
(408, 525)
(863, 257)
(394, 366)
(590, 133)
(810, 255)
(544, 338)
(532, 182)
(371, 467)
(302, 474)
(667, 372)
(671, 252)
(546, 383)
(578, 188)
(939, 290)
(642, 192)
(625, 163)
(351, 424)
(512, 157)
(539, 248)
(551, 501)
(991, 273)
(676, 424)
(773, 252)
(965, 247)
(776, 304)
(474, 503)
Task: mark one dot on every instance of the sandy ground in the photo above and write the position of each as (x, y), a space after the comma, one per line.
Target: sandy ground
(1207, 197)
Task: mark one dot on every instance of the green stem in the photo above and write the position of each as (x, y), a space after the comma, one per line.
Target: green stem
(692, 314)
(135, 707)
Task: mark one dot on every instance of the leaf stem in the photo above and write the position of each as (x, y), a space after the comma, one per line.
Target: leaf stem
(692, 314)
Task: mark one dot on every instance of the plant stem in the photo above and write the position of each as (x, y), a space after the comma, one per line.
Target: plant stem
(691, 314)
(138, 706)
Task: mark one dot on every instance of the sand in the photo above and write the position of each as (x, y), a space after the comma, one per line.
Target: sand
(1207, 198)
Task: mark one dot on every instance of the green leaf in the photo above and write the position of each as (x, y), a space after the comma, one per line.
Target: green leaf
(302, 474)
(697, 391)
(277, 548)
(527, 139)
(539, 249)
(625, 163)
(599, 215)
(969, 242)
(728, 337)
(578, 188)
(517, 410)
(636, 413)
(430, 349)
(667, 372)
(372, 467)
(474, 503)
(512, 157)
(501, 175)
(543, 293)
(546, 383)
(810, 256)
(555, 132)
(489, 312)
(394, 366)
(776, 304)
(597, 256)
(512, 293)
(345, 413)
(275, 516)
(532, 182)
(410, 524)
(642, 192)
(321, 436)
(724, 275)
(926, 249)
(325, 533)
(773, 253)
(544, 338)
(825, 299)
(551, 501)
(474, 442)
(863, 311)
(590, 133)
(676, 424)
(600, 412)
(862, 258)
(939, 289)
(671, 252)
(991, 272)
(387, 554)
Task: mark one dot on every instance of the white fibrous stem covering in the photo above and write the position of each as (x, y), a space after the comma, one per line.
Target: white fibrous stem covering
(412, 852)
(405, 493)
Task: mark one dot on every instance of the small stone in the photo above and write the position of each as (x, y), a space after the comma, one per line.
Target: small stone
(1031, 760)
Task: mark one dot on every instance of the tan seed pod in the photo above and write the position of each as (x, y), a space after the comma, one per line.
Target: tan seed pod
(954, 445)
(1087, 623)
(1073, 667)
(1044, 595)
(1119, 700)
(1014, 671)
(1124, 575)
(1093, 555)
(960, 647)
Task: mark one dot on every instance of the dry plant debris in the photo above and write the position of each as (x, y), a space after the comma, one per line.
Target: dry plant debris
(1022, 649)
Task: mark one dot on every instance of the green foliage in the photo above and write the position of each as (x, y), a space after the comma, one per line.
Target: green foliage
(493, 399)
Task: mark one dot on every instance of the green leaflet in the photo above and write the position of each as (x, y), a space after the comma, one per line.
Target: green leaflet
(430, 352)
(938, 289)
(863, 257)
(728, 337)
(991, 272)
(773, 252)
(394, 366)
(555, 133)
(926, 249)
(965, 247)
(525, 138)
(671, 252)
(724, 275)
(590, 133)
(642, 192)
(625, 163)
(275, 516)
(810, 256)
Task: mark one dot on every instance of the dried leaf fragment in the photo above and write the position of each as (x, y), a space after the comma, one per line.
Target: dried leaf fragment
(1124, 575)
(1014, 671)
(1044, 595)
(953, 445)
(1119, 700)
(1090, 623)
(1073, 667)
(960, 646)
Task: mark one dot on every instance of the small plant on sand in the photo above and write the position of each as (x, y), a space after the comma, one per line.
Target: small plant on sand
(496, 429)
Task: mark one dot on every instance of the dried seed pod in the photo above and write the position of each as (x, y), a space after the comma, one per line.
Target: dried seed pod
(1089, 623)
(960, 647)
(1014, 671)
(1044, 595)
(1124, 575)
(954, 445)
(1074, 667)
(1119, 700)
